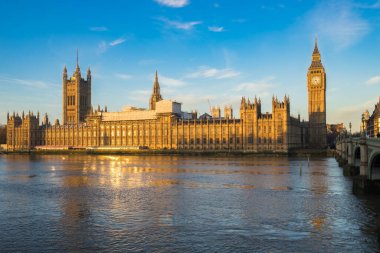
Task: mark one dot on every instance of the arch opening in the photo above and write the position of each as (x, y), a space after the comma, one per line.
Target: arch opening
(357, 157)
(375, 167)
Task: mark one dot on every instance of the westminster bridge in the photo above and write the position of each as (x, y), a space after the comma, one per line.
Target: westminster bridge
(362, 154)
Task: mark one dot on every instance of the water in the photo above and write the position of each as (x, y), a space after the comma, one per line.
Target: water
(181, 204)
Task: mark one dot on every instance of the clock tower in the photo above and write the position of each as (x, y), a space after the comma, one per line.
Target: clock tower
(316, 89)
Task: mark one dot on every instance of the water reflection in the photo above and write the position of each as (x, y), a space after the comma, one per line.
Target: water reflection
(181, 204)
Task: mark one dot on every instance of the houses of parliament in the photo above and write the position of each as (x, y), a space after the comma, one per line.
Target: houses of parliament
(165, 126)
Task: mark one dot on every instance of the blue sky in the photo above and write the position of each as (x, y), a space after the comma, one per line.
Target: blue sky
(204, 50)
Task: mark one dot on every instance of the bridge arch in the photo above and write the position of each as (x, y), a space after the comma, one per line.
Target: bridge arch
(374, 166)
(357, 156)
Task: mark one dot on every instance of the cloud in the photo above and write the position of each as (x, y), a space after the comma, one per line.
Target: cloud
(26, 82)
(216, 29)
(256, 86)
(98, 29)
(123, 76)
(117, 42)
(338, 22)
(141, 96)
(171, 82)
(180, 25)
(103, 46)
(207, 72)
(173, 3)
(373, 80)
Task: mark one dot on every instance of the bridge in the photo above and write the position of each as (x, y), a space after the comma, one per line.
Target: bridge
(360, 154)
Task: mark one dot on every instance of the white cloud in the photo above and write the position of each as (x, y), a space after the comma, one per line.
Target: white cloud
(171, 82)
(207, 72)
(373, 80)
(173, 3)
(98, 29)
(103, 46)
(117, 42)
(216, 29)
(338, 22)
(141, 96)
(256, 86)
(123, 76)
(181, 25)
(26, 82)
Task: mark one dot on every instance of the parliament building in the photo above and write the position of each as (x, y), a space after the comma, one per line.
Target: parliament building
(165, 126)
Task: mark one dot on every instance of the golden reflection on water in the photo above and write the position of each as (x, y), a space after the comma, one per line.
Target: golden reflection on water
(318, 222)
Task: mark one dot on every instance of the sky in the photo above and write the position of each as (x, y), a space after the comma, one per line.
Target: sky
(206, 52)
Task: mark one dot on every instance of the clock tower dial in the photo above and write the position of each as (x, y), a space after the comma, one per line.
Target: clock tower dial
(316, 78)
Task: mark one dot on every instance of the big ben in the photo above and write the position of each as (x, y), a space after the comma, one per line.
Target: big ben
(316, 86)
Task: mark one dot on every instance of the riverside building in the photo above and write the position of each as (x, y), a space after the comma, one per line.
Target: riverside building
(165, 126)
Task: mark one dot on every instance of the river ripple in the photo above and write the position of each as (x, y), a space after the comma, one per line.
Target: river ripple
(85, 203)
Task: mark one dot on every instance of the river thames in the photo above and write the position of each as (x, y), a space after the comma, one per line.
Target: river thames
(83, 203)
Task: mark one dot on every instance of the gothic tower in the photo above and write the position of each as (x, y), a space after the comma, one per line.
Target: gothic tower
(76, 99)
(316, 86)
(156, 95)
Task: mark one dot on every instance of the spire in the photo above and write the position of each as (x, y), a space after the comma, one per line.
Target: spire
(156, 95)
(316, 51)
(156, 85)
(77, 70)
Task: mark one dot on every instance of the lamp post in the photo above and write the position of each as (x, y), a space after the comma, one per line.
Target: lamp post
(363, 127)
(350, 125)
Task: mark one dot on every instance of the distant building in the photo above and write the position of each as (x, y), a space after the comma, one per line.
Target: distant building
(333, 131)
(372, 124)
(165, 126)
(3, 134)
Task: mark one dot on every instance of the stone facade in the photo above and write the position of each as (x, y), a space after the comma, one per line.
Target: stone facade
(166, 126)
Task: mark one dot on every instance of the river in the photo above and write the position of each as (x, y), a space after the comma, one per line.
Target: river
(80, 203)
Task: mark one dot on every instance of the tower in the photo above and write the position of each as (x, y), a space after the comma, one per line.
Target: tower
(76, 96)
(156, 95)
(316, 87)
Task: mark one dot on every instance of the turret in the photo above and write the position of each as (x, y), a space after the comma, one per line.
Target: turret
(64, 75)
(88, 73)
(46, 120)
(242, 104)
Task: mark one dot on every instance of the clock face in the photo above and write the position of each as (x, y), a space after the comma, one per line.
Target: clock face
(315, 80)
